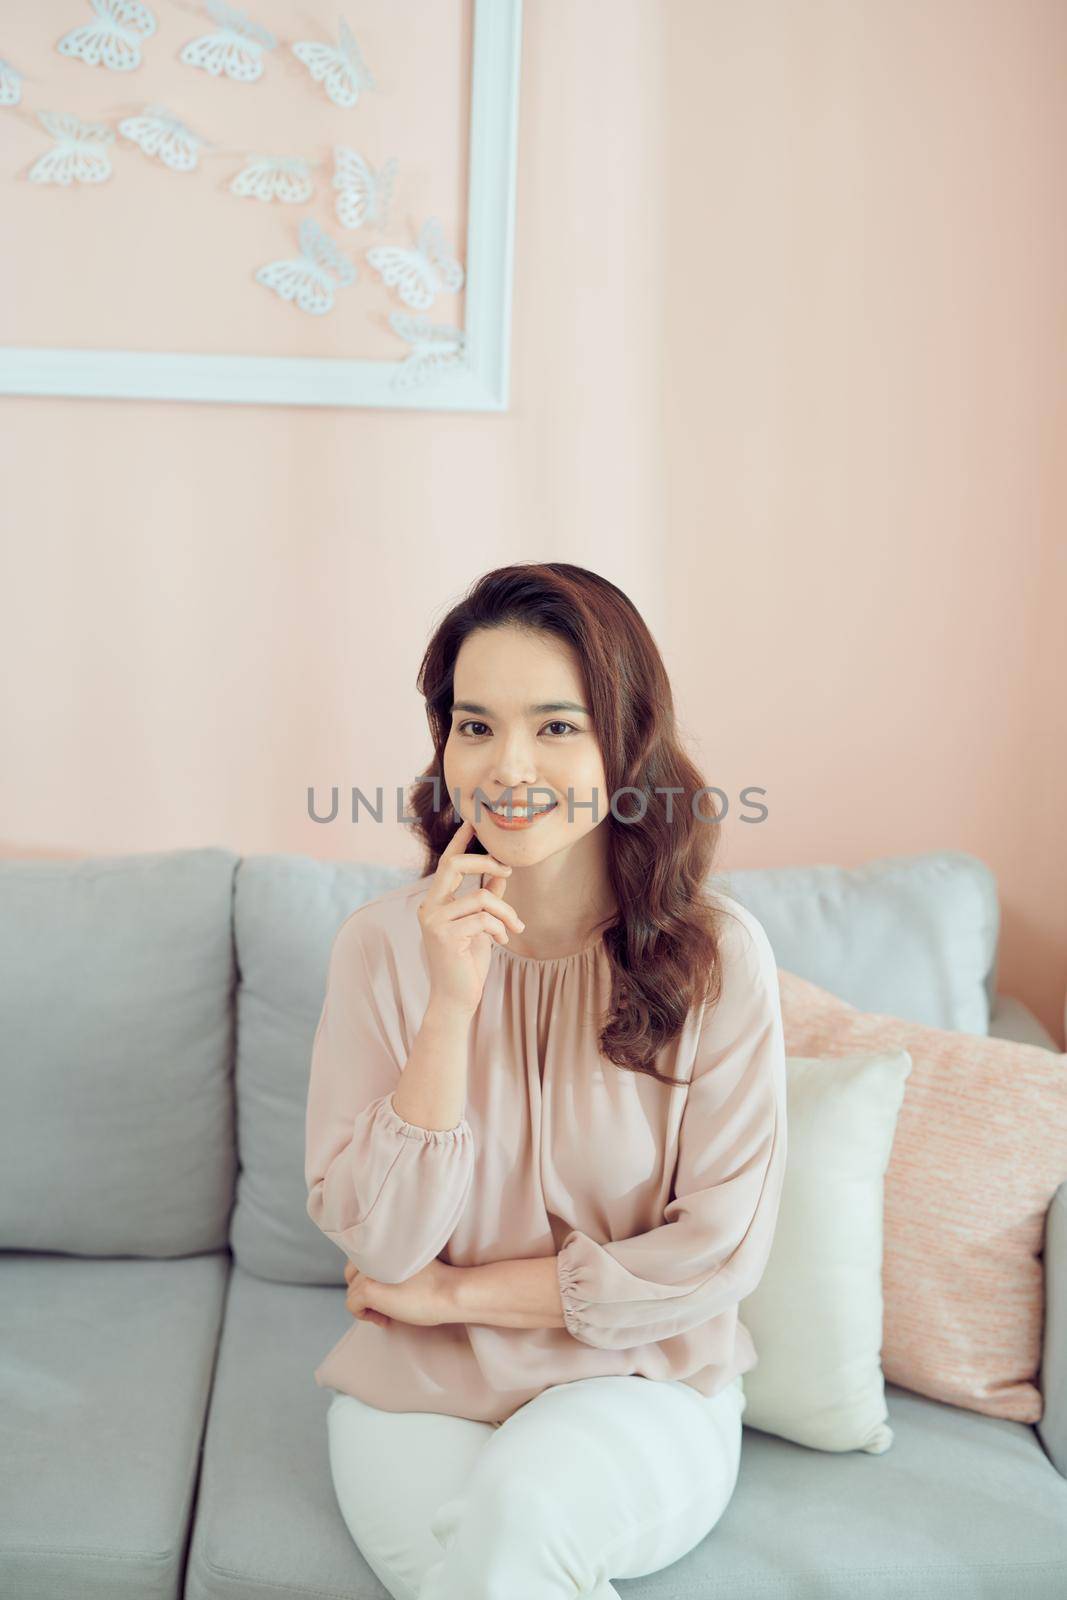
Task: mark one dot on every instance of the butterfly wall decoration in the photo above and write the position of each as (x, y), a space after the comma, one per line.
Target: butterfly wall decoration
(420, 273)
(311, 279)
(363, 194)
(114, 39)
(235, 48)
(10, 84)
(161, 134)
(340, 68)
(362, 189)
(286, 178)
(436, 349)
(80, 153)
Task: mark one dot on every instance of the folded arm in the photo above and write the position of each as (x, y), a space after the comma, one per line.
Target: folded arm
(389, 1193)
(713, 1246)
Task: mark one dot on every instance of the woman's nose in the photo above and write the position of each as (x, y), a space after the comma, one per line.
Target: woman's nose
(512, 769)
(516, 786)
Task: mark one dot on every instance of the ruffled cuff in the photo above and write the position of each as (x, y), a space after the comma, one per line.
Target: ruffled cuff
(461, 1133)
(572, 1275)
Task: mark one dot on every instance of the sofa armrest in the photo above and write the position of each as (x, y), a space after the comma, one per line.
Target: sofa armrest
(1052, 1378)
(1011, 1019)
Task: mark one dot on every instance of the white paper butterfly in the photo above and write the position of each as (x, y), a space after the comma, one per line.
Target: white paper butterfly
(160, 133)
(115, 38)
(341, 67)
(80, 154)
(422, 273)
(364, 194)
(311, 280)
(10, 84)
(437, 348)
(275, 178)
(236, 49)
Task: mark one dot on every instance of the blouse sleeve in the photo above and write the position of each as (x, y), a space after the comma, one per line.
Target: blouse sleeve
(388, 1192)
(715, 1242)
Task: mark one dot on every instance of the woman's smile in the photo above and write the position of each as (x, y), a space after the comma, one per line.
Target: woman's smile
(518, 820)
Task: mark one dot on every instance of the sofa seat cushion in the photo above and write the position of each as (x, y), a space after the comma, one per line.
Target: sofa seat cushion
(267, 1521)
(105, 1375)
(962, 1505)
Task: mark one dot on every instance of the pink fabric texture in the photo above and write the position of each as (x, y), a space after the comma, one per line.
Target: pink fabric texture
(659, 1203)
(979, 1151)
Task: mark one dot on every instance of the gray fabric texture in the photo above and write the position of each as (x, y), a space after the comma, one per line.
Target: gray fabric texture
(105, 1376)
(911, 936)
(287, 910)
(116, 1048)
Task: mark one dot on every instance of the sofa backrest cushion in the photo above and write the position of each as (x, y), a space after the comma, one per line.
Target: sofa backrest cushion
(287, 910)
(116, 1038)
(911, 936)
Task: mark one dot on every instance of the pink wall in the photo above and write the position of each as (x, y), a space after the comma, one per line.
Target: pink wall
(789, 366)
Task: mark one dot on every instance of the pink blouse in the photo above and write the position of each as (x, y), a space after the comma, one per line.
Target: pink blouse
(659, 1203)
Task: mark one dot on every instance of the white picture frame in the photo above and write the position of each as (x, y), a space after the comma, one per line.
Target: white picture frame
(481, 384)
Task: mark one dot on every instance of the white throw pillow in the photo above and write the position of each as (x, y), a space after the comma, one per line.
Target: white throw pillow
(816, 1316)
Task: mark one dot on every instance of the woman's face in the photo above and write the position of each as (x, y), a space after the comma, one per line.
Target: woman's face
(521, 730)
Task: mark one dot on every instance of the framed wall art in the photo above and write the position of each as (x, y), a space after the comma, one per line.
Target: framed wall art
(282, 204)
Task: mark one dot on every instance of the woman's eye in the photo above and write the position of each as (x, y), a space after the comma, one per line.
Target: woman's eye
(569, 726)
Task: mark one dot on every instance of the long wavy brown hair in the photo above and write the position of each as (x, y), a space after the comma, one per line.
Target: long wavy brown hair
(664, 944)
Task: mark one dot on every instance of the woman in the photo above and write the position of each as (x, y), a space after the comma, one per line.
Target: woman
(546, 1125)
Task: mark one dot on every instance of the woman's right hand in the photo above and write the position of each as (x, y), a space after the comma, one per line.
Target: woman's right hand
(458, 935)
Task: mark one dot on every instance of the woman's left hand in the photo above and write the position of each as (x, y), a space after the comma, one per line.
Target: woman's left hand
(422, 1300)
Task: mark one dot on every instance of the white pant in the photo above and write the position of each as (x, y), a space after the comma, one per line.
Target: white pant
(602, 1478)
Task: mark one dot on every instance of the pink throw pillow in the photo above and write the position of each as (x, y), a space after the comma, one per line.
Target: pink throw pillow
(980, 1149)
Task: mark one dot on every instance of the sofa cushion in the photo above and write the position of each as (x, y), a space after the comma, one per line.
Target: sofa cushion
(962, 1505)
(980, 1150)
(116, 1033)
(267, 1521)
(287, 910)
(914, 936)
(105, 1374)
(816, 1314)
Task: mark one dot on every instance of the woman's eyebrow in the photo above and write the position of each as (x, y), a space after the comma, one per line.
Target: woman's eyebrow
(549, 705)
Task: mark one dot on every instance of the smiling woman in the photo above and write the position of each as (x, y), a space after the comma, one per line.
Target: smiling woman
(536, 1221)
(544, 685)
(521, 754)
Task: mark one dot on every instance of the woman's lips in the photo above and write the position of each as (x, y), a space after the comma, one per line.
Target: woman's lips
(512, 824)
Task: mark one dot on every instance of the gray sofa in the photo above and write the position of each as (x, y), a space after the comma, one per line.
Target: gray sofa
(165, 1297)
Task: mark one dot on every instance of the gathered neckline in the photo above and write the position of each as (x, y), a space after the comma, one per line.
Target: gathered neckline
(550, 961)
